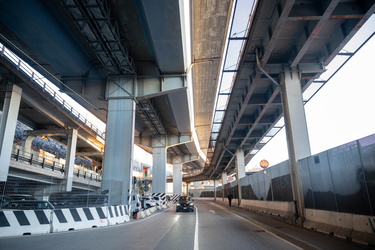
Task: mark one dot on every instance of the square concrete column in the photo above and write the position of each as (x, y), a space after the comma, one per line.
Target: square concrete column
(177, 178)
(70, 157)
(119, 150)
(296, 132)
(240, 163)
(224, 178)
(27, 142)
(240, 171)
(8, 128)
(159, 166)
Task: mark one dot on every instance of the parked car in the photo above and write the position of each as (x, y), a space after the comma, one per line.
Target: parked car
(185, 203)
(28, 205)
(159, 201)
(59, 197)
(81, 200)
(4, 199)
(136, 203)
(148, 202)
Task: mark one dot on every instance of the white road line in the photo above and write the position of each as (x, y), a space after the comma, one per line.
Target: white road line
(171, 226)
(290, 243)
(196, 242)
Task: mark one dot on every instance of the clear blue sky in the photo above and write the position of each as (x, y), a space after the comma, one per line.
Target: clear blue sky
(342, 111)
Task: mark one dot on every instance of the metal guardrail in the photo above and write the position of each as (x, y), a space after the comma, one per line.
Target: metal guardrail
(41, 82)
(51, 163)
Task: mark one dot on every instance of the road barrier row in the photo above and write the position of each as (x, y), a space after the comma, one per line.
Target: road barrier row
(147, 212)
(27, 222)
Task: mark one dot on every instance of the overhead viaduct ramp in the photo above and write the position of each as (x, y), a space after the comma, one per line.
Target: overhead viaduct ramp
(164, 56)
(283, 38)
(48, 114)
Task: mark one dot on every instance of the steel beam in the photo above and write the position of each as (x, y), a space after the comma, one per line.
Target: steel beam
(156, 86)
(181, 159)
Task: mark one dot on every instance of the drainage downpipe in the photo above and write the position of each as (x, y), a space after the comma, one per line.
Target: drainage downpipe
(298, 213)
(263, 71)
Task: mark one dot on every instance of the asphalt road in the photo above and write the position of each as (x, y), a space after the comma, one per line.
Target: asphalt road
(211, 226)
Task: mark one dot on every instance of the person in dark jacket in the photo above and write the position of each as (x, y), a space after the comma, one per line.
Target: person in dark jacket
(230, 197)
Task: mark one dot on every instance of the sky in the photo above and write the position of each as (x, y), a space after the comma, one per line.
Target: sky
(342, 110)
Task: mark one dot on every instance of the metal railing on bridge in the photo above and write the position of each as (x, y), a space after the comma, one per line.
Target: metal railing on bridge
(46, 87)
(36, 159)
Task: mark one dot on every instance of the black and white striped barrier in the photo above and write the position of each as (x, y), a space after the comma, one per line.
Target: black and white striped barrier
(161, 195)
(68, 219)
(175, 197)
(118, 214)
(25, 222)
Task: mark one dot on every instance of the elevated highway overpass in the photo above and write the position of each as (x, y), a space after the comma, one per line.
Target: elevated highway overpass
(114, 41)
(151, 72)
(283, 38)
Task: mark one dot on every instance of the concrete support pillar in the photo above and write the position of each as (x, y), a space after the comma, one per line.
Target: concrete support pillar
(240, 171)
(177, 178)
(187, 188)
(8, 128)
(159, 168)
(296, 133)
(224, 177)
(70, 157)
(119, 149)
(240, 163)
(27, 142)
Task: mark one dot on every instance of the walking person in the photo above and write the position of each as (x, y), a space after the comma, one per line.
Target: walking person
(230, 197)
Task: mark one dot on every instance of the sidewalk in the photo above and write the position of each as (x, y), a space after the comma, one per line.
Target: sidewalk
(299, 236)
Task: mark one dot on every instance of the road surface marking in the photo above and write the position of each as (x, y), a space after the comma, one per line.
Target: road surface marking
(196, 242)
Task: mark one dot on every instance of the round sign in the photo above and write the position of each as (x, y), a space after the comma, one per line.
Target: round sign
(264, 163)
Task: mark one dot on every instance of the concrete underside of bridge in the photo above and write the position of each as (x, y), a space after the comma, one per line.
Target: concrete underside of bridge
(150, 71)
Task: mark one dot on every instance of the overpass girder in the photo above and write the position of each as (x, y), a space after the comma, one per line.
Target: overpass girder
(171, 140)
(143, 88)
(180, 159)
(156, 86)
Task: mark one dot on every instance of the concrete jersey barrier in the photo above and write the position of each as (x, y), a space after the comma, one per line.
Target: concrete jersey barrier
(27, 222)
